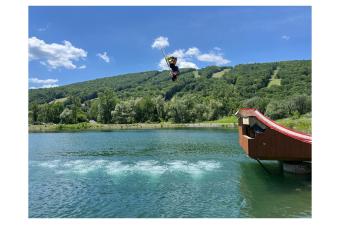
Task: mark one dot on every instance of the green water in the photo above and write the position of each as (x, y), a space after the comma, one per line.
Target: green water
(157, 173)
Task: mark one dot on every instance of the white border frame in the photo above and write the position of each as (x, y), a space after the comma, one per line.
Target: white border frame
(14, 92)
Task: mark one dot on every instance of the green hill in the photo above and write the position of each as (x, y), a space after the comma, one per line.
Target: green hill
(199, 95)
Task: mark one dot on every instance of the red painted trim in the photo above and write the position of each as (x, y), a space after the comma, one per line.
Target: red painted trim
(275, 126)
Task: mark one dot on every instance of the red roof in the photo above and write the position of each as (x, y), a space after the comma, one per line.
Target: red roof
(247, 112)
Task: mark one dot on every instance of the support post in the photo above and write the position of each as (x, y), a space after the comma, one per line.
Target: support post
(263, 166)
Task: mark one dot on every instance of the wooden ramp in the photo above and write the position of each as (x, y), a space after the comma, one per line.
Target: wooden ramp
(263, 139)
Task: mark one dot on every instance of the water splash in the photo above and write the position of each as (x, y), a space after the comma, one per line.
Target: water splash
(114, 168)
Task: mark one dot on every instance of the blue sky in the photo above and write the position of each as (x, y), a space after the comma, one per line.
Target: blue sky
(72, 44)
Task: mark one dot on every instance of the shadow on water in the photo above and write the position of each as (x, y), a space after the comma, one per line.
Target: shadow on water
(278, 194)
(156, 150)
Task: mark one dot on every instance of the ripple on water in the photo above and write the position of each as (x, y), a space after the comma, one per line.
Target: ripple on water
(156, 173)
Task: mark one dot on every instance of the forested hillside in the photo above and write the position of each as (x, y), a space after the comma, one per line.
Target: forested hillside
(278, 89)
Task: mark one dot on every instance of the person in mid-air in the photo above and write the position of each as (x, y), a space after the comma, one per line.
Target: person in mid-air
(174, 69)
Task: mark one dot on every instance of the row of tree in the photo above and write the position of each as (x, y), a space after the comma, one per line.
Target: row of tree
(277, 109)
(107, 108)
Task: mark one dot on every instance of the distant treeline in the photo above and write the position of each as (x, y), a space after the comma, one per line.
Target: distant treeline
(197, 96)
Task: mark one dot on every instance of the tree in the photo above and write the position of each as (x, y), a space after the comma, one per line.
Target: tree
(215, 109)
(93, 110)
(145, 110)
(81, 117)
(180, 110)
(54, 111)
(159, 104)
(256, 102)
(107, 103)
(43, 113)
(66, 116)
(201, 112)
(75, 108)
(301, 104)
(230, 105)
(276, 110)
(34, 112)
(124, 112)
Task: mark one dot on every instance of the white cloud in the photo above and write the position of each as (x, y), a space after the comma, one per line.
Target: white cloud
(192, 51)
(104, 56)
(186, 64)
(181, 63)
(45, 86)
(47, 83)
(285, 37)
(41, 29)
(186, 58)
(82, 67)
(163, 65)
(212, 57)
(39, 81)
(179, 53)
(55, 55)
(160, 42)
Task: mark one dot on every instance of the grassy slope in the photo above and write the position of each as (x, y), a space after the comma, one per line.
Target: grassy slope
(274, 80)
(196, 75)
(249, 80)
(61, 100)
(104, 127)
(221, 73)
(225, 120)
(302, 124)
(195, 82)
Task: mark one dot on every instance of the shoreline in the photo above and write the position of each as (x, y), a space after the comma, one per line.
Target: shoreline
(301, 124)
(45, 128)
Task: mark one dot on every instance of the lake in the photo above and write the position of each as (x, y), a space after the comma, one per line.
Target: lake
(157, 173)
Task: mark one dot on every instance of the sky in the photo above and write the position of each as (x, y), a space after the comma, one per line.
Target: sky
(74, 44)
